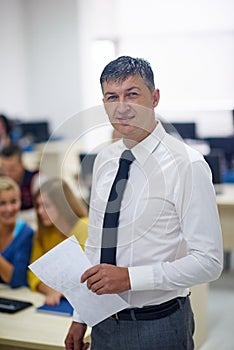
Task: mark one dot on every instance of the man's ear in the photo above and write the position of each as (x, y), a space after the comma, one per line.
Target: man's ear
(156, 97)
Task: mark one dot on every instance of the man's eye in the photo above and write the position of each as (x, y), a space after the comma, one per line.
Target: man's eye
(132, 94)
(111, 98)
(2, 203)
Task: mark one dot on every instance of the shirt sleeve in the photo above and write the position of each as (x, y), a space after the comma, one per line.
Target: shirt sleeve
(200, 227)
(76, 317)
(141, 277)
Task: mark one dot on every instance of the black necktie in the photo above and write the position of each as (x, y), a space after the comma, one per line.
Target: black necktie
(111, 216)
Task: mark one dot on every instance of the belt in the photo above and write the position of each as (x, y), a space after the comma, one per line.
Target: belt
(151, 312)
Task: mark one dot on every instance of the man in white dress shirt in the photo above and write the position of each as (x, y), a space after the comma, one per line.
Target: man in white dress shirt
(169, 236)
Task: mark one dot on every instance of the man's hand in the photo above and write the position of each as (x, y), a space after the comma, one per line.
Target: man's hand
(75, 337)
(106, 279)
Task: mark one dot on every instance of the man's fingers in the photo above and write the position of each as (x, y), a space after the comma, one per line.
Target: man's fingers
(94, 287)
(88, 273)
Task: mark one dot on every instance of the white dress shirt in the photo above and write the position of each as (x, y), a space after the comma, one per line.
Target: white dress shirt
(169, 232)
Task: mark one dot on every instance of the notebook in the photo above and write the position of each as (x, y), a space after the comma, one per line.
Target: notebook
(64, 308)
(11, 306)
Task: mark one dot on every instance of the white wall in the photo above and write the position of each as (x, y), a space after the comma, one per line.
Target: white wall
(49, 69)
(39, 59)
(53, 69)
(13, 58)
(190, 46)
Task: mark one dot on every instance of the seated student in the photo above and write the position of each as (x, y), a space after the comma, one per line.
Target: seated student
(15, 236)
(12, 166)
(59, 214)
(5, 129)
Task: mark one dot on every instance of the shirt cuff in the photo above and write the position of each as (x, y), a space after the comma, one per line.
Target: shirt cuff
(141, 278)
(76, 317)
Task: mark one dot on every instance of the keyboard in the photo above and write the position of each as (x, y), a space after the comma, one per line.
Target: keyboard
(11, 306)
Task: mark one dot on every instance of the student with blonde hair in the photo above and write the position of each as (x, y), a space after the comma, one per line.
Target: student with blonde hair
(59, 214)
(15, 236)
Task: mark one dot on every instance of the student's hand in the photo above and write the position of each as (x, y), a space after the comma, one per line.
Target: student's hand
(53, 297)
(75, 337)
(107, 279)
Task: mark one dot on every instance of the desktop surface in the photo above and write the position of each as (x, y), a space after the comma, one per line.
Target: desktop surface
(29, 329)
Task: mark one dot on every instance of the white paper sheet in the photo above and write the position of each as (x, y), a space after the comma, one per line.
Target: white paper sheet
(61, 269)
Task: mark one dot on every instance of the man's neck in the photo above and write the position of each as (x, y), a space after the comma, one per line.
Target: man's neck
(131, 142)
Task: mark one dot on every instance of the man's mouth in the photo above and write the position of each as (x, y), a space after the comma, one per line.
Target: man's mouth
(125, 119)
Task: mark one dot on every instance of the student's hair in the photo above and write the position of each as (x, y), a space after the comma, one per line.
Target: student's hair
(6, 123)
(7, 184)
(125, 66)
(11, 150)
(69, 207)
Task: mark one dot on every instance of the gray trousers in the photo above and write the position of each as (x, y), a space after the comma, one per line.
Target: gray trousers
(174, 332)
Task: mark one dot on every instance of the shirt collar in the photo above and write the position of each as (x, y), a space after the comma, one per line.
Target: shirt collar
(146, 147)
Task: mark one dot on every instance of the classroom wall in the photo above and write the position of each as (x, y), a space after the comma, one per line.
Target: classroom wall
(49, 66)
(53, 68)
(40, 63)
(189, 44)
(13, 58)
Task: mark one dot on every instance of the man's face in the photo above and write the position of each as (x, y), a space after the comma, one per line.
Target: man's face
(12, 167)
(130, 107)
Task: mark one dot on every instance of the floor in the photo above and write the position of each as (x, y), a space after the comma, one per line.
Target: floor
(221, 313)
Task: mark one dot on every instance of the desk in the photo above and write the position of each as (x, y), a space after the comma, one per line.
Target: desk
(29, 329)
(225, 202)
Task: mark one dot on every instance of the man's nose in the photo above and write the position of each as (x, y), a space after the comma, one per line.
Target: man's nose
(123, 107)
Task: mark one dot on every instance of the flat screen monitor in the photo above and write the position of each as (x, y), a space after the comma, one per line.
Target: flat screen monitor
(226, 145)
(186, 130)
(214, 162)
(38, 130)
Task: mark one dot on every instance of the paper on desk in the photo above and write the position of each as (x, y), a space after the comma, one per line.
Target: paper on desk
(61, 269)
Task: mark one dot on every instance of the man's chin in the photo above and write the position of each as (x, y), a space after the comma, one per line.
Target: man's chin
(125, 129)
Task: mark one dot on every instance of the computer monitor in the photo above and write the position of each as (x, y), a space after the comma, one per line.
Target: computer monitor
(186, 130)
(224, 144)
(37, 130)
(214, 162)
(233, 118)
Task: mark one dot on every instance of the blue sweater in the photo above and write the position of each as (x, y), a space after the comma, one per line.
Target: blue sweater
(18, 254)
